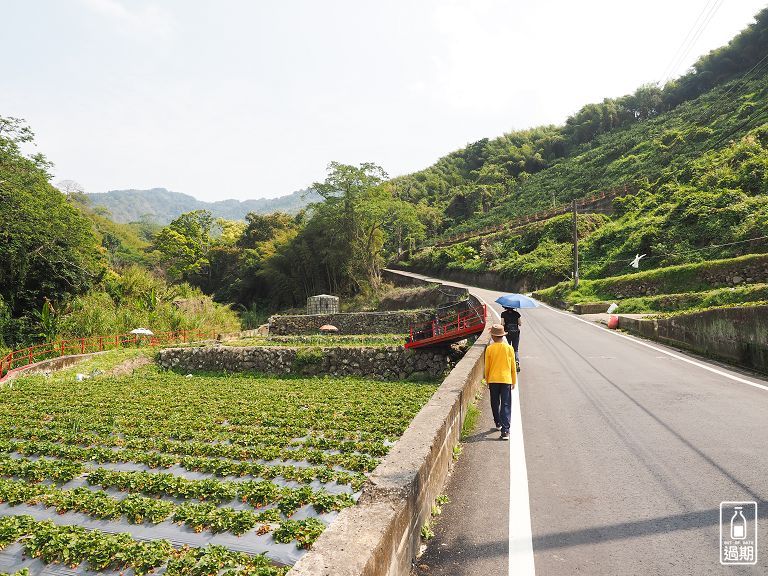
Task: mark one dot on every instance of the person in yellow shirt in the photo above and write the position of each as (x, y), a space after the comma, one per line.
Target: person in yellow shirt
(501, 376)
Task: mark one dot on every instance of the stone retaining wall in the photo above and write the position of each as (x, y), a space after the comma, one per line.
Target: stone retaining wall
(738, 335)
(390, 363)
(398, 322)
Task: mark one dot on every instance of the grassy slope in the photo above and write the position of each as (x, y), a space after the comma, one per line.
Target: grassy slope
(705, 191)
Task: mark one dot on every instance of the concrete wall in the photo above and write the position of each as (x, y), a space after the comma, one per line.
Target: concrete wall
(418, 294)
(47, 365)
(489, 280)
(591, 307)
(381, 534)
(738, 335)
(390, 363)
(350, 323)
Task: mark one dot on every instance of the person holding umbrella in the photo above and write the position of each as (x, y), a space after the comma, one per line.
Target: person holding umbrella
(501, 379)
(513, 321)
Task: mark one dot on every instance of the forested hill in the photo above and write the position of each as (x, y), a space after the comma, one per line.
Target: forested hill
(642, 139)
(162, 206)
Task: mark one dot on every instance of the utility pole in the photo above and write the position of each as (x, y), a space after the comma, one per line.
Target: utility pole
(575, 247)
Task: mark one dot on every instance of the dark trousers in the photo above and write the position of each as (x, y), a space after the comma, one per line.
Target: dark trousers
(513, 339)
(501, 404)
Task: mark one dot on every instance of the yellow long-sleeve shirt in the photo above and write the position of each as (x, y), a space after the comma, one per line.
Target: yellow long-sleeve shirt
(500, 364)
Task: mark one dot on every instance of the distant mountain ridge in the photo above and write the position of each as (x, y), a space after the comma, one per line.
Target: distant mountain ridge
(162, 205)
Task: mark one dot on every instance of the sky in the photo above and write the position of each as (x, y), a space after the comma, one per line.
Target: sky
(253, 98)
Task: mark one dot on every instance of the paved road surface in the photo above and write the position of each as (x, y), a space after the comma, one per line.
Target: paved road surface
(629, 451)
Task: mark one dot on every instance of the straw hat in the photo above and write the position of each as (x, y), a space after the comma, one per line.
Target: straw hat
(498, 330)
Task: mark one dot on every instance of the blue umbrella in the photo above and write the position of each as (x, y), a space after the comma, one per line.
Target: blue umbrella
(517, 301)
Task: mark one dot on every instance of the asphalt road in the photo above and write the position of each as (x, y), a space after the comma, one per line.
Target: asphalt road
(630, 446)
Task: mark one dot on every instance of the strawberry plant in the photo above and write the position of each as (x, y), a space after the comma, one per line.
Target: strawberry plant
(305, 532)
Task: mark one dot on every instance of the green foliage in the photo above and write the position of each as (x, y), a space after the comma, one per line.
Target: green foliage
(646, 138)
(184, 245)
(135, 298)
(245, 435)
(123, 244)
(427, 532)
(470, 420)
(321, 340)
(678, 279)
(49, 322)
(696, 300)
(48, 248)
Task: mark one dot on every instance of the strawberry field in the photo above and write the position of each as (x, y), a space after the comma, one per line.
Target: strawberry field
(185, 475)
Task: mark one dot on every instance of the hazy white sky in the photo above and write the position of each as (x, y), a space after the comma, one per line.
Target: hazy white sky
(248, 99)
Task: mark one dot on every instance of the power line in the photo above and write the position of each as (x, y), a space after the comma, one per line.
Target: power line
(669, 70)
(682, 253)
(751, 117)
(713, 108)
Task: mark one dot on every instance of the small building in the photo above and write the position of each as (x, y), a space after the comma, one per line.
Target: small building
(323, 304)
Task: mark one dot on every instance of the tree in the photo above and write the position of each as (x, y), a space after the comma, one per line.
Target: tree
(184, 246)
(263, 227)
(356, 207)
(48, 247)
(74, 191)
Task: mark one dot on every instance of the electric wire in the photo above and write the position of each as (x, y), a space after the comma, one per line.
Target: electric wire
(674, 62)
(666, 254)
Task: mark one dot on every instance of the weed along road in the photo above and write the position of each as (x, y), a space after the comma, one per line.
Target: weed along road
(630, 447)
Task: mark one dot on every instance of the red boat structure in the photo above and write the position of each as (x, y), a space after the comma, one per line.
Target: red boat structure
(450, 324)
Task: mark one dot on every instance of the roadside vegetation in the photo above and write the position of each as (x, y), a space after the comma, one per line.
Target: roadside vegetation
(708, 284)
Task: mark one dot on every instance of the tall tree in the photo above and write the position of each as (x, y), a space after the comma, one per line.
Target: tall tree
(48, 248)
(184, 245)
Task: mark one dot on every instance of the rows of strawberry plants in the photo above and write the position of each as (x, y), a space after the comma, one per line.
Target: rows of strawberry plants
(74, 545)
(215, 466)
(238, 439)
(138, 509)
(256, 493)
(62, 432)
(164, 404)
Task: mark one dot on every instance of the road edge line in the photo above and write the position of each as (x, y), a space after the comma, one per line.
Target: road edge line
(662, 350)
(520, 551)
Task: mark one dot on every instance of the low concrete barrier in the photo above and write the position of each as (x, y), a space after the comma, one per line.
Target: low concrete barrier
(738, 335)
(381, 534)
(591, 307)
(48, 365)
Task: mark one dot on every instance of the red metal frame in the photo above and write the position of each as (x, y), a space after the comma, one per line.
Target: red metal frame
(33, 354)
(451, 328)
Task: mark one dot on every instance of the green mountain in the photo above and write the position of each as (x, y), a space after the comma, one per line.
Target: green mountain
(694, 153)
(161, 206)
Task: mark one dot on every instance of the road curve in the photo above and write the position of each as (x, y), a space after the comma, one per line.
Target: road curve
(630, 449)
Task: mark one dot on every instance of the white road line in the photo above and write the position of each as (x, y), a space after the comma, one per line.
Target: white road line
(662, 350)
(521, 562)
